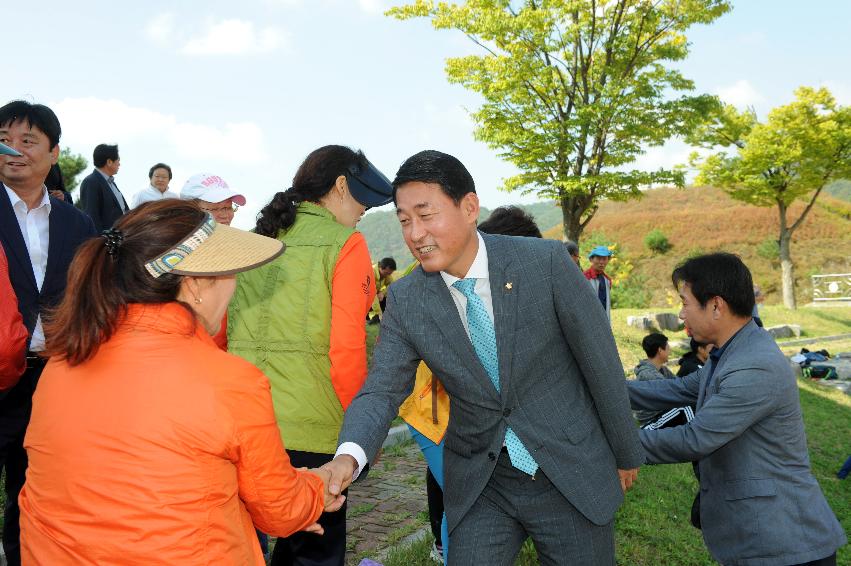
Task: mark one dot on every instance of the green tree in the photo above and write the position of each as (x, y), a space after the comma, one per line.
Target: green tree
(798, 150)
(574, 90)
(71, 165)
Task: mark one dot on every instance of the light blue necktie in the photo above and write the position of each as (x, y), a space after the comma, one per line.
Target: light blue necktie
(483, 337)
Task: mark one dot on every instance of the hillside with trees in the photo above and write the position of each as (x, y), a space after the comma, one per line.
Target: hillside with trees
(706, 219)
(692, 221)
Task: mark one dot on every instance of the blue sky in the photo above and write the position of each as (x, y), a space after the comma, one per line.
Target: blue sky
(246, 89)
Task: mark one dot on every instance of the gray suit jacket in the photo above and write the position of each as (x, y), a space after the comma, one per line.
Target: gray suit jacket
(562, 384)
(759, 503)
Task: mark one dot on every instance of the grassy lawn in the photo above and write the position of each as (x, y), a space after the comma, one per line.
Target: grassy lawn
(653, 527)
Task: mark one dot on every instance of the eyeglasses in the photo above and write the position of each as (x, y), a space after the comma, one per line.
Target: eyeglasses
(220, 210)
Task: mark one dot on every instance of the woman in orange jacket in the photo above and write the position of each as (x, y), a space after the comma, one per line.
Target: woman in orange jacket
(148, 444)
(13, 333)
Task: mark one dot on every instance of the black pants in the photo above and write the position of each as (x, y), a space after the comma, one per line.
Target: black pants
(827, 561)
(15, 411)
(435, 505)
(307, 549)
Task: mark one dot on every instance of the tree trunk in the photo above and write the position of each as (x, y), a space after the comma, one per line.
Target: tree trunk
(572, 210)
(787, 268)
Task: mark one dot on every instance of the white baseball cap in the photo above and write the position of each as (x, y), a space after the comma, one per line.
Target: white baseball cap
(209, 188)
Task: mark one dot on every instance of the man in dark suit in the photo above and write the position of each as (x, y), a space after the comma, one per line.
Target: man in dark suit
(759, 502)
(99, 195)
(39, 235)
(541, 441)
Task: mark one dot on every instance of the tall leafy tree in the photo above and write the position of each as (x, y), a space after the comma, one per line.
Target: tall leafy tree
(71, 165)
(793, 155)
(575, 90)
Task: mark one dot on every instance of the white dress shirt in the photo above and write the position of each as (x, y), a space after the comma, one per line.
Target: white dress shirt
(151, 194)
(479, 271)
(35, 228)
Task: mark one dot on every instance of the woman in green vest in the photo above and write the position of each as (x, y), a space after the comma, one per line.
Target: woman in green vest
(301, 320)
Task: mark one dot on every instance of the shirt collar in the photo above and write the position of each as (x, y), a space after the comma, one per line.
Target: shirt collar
(716, 352)
(14, 199)
(479, 268)
(105, 176)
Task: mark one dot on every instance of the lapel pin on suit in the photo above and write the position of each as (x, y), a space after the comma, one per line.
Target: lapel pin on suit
(509, 285)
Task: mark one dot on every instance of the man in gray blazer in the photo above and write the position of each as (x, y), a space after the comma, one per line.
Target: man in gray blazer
(540, 439)
(759, 502)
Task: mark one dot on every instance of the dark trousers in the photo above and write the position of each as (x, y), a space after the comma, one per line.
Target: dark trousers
(15, 411)
(513, 506)
(307, 549)
(435, 506)
(828, 561)
(845, 469)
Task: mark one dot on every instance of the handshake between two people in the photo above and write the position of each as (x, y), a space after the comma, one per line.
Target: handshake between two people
(336, 476)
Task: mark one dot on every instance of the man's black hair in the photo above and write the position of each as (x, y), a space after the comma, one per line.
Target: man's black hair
(432, 166)
(511, 221)
(718, 275)
(387, 262)
(158, 166)
(103, 153)
(572, 248)
(654, 342)
(35, 115)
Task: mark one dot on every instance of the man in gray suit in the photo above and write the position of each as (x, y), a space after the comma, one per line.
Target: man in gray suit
(540, 440)
(759, 503)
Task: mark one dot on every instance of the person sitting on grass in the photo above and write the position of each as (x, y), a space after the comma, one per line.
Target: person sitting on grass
(695, 358)
(658, 351)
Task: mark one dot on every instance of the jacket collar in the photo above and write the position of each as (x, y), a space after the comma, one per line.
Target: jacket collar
(307, 207)
(165, 318)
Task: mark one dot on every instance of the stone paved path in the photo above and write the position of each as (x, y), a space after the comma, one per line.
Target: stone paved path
(389, 505)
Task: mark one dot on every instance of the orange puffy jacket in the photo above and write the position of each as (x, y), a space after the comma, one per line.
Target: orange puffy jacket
(13, 333)
(161, 449)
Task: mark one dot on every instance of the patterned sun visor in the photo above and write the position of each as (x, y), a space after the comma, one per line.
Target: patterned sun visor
(172, 258)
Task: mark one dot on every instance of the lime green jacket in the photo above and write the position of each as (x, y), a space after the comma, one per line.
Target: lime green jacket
(280, 320)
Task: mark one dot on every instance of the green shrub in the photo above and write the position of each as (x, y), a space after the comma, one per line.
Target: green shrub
(768, 249)
(631, 293)
(657, 242)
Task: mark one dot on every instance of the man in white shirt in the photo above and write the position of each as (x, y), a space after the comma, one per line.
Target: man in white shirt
(160, 176)
(39, 235)
(541, 441)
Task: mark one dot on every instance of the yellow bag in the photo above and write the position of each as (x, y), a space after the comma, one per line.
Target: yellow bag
(427, 408)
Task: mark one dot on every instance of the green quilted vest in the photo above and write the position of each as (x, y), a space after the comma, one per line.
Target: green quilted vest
(280, 321)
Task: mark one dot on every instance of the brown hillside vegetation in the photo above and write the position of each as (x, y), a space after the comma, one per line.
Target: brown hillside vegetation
(704, 219)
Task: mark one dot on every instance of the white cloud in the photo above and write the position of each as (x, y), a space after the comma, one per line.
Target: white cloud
(372, 6)
(235, 37)
(87, 122)
(161, 29)
(667, 156)
(740, 94)
(240, 142)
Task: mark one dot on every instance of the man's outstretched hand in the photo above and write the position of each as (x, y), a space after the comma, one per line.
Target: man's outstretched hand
(341, 469)
(332, 502)
(627, 478)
